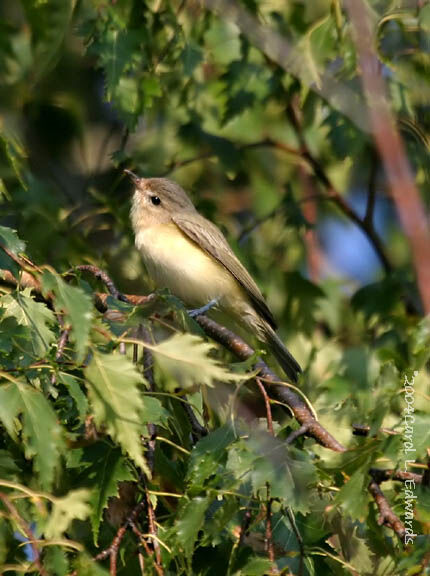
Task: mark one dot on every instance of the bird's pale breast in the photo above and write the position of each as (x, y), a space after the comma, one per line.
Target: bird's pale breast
(177, 263)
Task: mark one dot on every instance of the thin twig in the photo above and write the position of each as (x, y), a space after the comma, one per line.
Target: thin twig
(22, 524)
(371, 190)
(153, 530)
(197, 430)
(148, 372)
(244, 527)
(380, 475)
(333, 195)
(300, 410)
(113, 549)
(265, 142)
(105, 278)
(296, 434)
(267, 404)
(386, 514)
(364, 429)
(299, 538)
(389, 143)
(268, 540)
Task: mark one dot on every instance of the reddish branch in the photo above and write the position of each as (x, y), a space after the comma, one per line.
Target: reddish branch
(386, 514)
(243, 351)
(268, 540)
(153, 530)
(308, 424)
(365, 224)
(391, 149)
(27, 531)
(267, 405)
(239, 348)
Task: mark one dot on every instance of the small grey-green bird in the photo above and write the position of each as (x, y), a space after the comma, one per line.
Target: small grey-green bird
(189, 255)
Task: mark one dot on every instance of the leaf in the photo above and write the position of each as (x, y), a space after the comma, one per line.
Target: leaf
(223, 42)
(190, 520)
(117, 403)
(55, 561)
(207, 455)
(74, 505)
(353, 496)
(35, 316)
(85, 565)
(75, 391)
(76, 305)
(191, 57)
(154, 412)
(108, 468)
(49, 22)
(302, 302)
(8, 467)
(263, 459)
(41, 433)
(256, 567)
(9, 239)
(186, 358)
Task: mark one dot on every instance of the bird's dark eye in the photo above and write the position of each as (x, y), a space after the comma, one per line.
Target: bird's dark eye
(155, 200)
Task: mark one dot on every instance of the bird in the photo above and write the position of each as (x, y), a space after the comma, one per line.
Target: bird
(189, 255)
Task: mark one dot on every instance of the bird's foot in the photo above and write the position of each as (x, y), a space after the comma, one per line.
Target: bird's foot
(198, 311)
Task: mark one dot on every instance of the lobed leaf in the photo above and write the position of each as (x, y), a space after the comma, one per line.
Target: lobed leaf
(41, 433)
(77, 307)
(113, 390)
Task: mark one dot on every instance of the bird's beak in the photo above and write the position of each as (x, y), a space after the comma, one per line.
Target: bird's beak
(132, 175)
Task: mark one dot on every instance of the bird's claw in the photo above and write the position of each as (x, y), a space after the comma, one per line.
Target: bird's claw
(198, 311)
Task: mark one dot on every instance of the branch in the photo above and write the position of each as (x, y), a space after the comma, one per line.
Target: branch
(386, 514)
(26, 530)
(391, 149)
(267, 404)
(243, 351)
(239, 348)
(265, 142)
(290, 58)
(153, 530)
(334, 196)
(268, 540)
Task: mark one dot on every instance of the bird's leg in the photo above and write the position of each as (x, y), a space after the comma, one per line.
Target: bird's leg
(211, 304)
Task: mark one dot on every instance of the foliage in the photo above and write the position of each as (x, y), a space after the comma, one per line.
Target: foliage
(96, 437)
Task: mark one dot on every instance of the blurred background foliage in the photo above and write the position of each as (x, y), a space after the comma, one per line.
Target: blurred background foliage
(177, 89)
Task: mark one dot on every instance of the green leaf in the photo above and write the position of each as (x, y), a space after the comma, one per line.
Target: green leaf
(55, 561)
(75, 391)
(353, 496)
(256, 567)
(207, 455)
(222, 40)
(49, 22)
(41, 433)
(74, 505)
(191, 58)
(113, 389)
(151, 90)
(86, 565)
(186, 358)
(35, 316)
(8, 466)
(263, 459)
(154, 412)
(107, 469)
(9, 239)
(190, 521)
(77, 307)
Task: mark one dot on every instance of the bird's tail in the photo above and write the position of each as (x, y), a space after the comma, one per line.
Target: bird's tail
(285, 359)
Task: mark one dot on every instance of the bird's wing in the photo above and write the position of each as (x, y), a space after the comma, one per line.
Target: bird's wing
(206, 235)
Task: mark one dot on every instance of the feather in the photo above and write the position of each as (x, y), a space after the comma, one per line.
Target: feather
(212, 241)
